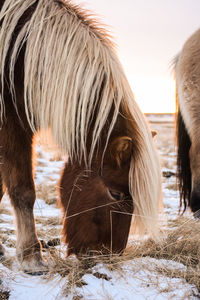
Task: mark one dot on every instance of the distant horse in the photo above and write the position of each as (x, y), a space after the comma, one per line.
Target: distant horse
(59, 70)
(187, 70)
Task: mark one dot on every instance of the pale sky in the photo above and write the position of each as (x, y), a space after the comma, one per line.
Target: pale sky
(148, 34)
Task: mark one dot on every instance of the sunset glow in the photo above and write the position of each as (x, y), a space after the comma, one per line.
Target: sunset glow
(154, 95)
(148, 35)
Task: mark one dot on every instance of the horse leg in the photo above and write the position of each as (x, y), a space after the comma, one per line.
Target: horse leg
(16, 172)
(189, 152)
(1, 188)
(195, 170)
(190, 148)
(2, 249)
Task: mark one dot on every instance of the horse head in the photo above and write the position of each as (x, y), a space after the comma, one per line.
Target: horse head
(97, 205)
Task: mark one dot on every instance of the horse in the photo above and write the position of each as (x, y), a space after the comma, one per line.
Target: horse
(59, 71)
(187, 73)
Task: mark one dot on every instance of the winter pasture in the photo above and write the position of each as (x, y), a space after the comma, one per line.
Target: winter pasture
(169, 269)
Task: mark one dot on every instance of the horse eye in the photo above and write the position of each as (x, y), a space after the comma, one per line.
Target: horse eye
(116, 195)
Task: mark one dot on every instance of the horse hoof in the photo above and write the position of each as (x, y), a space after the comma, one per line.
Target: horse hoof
(34, 266)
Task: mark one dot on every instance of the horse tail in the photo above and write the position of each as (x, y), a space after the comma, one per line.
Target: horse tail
(183, 158)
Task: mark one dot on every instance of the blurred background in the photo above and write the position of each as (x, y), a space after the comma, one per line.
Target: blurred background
(148, 34)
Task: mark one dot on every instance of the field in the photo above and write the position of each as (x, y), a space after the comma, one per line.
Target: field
(169, 269)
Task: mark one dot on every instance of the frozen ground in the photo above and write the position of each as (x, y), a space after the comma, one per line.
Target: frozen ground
(139, 278)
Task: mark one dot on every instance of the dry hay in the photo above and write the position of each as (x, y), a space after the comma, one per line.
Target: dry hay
(47, 192)
(4, 295)
(181, 244)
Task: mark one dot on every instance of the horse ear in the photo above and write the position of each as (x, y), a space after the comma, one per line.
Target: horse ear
(121, 149)
(154, 133)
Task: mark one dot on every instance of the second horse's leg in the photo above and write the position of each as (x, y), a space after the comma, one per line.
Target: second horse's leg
(2, 250)
(16, 171)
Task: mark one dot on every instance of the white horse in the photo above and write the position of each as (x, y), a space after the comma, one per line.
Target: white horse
(187, 70)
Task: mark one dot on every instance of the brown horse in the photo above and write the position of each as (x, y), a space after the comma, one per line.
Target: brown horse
(59, 70)
(187, 68)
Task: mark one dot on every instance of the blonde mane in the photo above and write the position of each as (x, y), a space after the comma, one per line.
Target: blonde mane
(71, 68)
(144, 173)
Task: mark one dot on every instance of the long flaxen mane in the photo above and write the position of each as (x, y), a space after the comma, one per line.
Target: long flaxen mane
(71, 70)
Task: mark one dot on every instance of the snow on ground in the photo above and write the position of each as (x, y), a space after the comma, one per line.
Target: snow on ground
(135, 282)
(137, 279)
